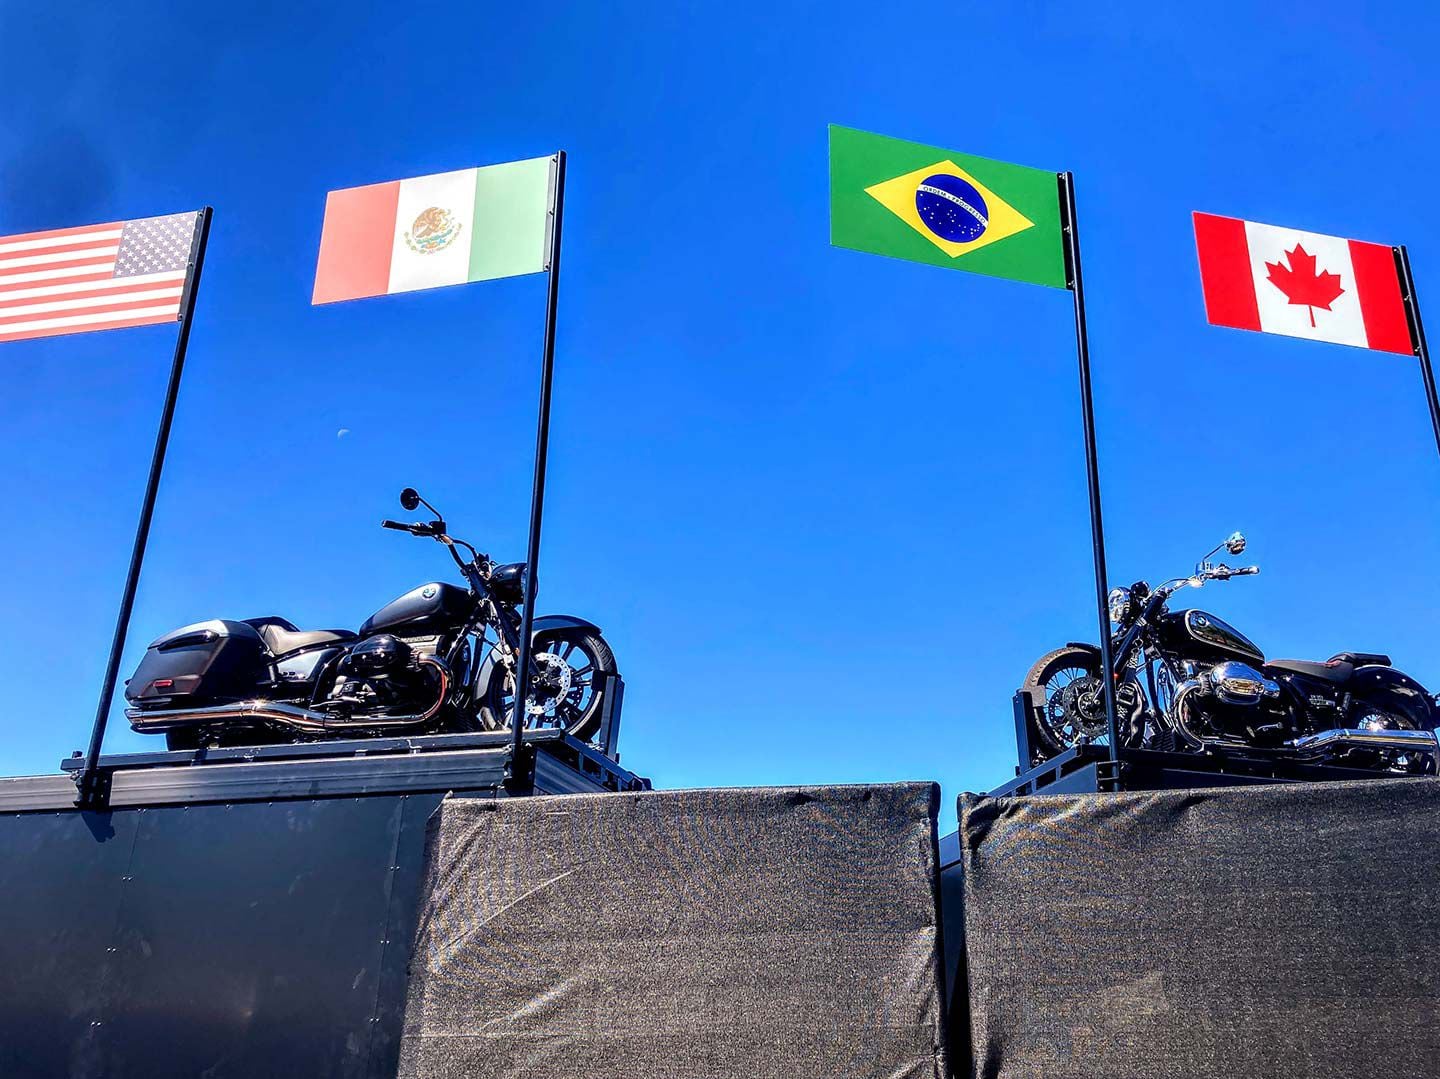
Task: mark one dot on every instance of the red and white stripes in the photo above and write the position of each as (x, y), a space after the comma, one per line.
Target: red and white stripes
(64, 281)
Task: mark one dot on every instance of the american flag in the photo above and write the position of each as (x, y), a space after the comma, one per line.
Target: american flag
(98, 277)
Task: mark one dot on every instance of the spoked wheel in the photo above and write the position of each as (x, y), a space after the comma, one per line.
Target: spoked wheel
(567, 691)
(1074, 700)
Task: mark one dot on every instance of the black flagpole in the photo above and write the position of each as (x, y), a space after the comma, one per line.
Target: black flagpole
(521, 776)
(1417, 336)
(92, 789)
(1092, 463)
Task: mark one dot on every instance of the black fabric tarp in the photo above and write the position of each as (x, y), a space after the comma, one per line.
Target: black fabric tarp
(784, 933)
(1288, 931)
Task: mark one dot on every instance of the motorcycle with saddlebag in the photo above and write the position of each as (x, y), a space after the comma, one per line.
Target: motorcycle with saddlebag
(438, 659)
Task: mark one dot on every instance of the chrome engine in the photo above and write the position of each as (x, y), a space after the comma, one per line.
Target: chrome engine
(1226, 697)
(1232, 702)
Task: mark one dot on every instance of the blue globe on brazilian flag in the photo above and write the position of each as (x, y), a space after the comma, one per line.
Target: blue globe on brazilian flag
(917, 202)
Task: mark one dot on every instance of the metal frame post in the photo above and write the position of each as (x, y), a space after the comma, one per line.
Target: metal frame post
(91, 787)
(1023, 706)
(520, 775)
(1092, 464)
(1417, 336)
(608, 736)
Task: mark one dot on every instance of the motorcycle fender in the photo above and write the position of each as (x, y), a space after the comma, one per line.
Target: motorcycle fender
(544, 623)
(1083, 644)
(1396, 692)
(562, 621)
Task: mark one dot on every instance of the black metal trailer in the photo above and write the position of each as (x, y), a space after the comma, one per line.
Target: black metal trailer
(236, 912)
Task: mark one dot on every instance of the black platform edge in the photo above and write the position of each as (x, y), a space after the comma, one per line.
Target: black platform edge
(1088, 769)
(457, 762)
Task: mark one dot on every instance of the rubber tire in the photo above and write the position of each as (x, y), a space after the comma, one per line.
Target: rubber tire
(1045, 668)
(589, 723)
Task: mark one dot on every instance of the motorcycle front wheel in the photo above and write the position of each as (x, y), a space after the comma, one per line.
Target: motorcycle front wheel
(569, 686)
(1068, 680)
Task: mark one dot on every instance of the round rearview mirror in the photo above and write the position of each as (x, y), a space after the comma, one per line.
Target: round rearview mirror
(410, 498)
(1236, 543)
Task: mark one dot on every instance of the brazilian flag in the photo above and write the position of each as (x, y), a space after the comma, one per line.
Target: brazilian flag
(917, 202)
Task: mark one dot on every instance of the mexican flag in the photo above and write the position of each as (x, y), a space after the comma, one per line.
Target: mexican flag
(1301, 284)
(927, 204)
(445, 229)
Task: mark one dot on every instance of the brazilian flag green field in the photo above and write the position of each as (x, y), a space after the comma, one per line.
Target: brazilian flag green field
(922, 203)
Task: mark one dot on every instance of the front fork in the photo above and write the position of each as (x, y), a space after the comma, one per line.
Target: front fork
(508, 640)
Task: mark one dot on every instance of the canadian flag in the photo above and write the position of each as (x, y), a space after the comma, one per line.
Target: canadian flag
(1301, 284)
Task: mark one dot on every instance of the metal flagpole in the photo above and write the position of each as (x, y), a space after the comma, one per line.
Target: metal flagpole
(1417, 336)
(92, 788)
(1092, 464)
(521, 768)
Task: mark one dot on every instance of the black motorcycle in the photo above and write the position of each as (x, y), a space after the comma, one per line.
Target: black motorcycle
(439, 659)
(1187, 681)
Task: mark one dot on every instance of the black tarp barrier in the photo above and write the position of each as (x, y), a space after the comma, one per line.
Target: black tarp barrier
(713, 934)
(1288, 931)
(247, 917)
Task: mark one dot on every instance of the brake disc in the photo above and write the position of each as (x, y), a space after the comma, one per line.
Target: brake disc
(554, 683)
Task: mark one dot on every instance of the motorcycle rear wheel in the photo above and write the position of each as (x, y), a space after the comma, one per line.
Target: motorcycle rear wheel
(1070, 710)
(587, 657)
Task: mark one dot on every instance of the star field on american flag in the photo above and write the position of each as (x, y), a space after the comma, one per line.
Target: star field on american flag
(96, 277)
(155, 245)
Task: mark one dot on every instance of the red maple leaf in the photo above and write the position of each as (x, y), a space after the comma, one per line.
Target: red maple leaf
(1302, 284)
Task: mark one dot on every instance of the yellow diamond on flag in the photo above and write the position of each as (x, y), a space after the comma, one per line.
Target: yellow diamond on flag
(950, 208)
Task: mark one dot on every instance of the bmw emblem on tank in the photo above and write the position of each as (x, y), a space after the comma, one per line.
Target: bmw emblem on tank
(428, 592)
(951, 208)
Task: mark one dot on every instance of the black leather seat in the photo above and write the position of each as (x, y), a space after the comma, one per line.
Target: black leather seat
(281, 636)
(1363, 659)
(1336, 670)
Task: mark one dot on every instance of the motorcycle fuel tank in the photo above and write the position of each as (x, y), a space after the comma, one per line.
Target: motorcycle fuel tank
(436, 603)
(1213, 635)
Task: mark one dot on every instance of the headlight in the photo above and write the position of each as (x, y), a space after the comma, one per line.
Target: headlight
(1119, 603)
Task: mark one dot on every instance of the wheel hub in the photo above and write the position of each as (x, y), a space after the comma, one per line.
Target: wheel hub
(1080, 707)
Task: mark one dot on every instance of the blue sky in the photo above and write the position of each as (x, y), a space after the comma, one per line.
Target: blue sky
(828, 507)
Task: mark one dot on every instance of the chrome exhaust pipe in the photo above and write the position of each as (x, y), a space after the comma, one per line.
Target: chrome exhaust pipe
(306, 720)
(1322, 742)
(1180, 710)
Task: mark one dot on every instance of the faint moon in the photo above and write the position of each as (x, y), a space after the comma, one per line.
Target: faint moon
(342, 432)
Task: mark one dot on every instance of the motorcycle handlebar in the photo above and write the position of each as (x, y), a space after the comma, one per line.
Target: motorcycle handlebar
(415, 528)
(1223, 572)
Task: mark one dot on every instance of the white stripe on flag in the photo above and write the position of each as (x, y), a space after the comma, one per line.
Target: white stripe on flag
(69, 287)
(50, 275)
(83, 320)
(60, 241)
(452, 192)
(58, 257)
(91, 301)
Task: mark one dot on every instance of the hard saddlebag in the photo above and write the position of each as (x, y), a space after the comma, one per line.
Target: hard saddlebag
(210, 662)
